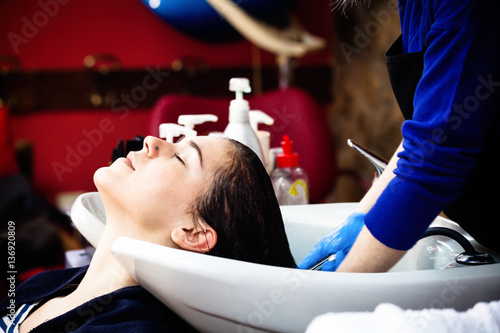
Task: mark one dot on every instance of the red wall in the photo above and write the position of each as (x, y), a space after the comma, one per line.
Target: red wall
(69, 146)
(125, 28)
(57, 34)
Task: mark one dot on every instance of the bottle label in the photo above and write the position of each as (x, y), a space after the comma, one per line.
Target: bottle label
(299, 187)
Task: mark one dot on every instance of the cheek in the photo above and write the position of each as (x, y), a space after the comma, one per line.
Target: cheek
(174, 191)
(162, 201)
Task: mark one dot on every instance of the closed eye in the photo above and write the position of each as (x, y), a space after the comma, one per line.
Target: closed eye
(180, 159)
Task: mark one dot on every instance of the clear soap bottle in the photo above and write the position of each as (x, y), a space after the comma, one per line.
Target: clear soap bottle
(290, 181)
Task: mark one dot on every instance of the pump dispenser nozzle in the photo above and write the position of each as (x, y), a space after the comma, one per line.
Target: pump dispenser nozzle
(190, 120)
(240, 85)
(185, 126)
(170, 131)
(258, 117)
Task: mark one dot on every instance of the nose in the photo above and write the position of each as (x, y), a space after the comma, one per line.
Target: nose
(154, 146)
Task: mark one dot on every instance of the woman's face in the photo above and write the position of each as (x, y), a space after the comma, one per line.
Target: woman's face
(158, 184)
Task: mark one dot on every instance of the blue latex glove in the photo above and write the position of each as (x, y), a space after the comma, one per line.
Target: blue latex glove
(338, 242)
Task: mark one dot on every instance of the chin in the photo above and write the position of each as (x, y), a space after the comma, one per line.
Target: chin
(106, 183)
(101, 178)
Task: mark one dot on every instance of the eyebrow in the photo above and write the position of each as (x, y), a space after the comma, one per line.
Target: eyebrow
(198, 150)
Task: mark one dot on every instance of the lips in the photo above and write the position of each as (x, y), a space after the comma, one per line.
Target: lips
(129, 161)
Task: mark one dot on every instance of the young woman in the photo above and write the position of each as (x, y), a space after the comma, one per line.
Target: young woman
(204, 194)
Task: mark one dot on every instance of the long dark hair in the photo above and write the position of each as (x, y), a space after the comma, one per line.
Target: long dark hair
(241, 206)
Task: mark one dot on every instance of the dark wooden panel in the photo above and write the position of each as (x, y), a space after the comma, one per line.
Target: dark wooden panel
(33, 91)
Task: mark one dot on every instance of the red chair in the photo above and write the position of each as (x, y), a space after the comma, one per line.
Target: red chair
(295, 113)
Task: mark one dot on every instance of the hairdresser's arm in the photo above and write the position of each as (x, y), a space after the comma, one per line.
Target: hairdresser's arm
(380, 184)
(368, 254)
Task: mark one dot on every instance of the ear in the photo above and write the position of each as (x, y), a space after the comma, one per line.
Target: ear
(195, 239)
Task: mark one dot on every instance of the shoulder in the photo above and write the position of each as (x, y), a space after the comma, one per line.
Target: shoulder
(476, 16)
(44, 284)
(55, 278)
(449, 14)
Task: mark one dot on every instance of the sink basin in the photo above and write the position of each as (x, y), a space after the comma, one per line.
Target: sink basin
(222, 295)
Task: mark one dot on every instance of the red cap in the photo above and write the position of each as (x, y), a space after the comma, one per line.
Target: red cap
(288, 159)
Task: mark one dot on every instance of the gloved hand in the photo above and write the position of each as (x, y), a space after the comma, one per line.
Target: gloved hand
(338, 242)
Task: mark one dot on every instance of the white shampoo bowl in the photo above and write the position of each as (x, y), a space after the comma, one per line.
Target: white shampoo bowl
(222, 295)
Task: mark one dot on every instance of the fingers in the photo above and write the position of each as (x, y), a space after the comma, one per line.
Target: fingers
(333, 265)
(338, 241)
(313, 257)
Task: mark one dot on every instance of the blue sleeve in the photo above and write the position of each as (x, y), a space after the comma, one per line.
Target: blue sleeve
(455, 105)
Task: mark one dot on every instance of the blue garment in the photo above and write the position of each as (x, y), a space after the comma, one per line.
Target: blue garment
(456, 105)
(10, 322)
(130, 309)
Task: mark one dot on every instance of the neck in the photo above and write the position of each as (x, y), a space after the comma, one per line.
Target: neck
(105, 274)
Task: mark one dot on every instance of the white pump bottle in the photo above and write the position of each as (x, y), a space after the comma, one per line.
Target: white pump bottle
(239, 127)
(258, 117)
(185, 126)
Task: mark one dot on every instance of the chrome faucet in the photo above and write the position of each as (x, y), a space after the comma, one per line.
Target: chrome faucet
(379, 163)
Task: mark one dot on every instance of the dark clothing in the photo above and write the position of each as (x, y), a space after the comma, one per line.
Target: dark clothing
(130, 309)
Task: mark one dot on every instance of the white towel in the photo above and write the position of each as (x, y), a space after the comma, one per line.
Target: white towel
(389, 318)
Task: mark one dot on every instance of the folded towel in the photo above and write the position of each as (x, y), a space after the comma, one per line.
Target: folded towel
(389, 318)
